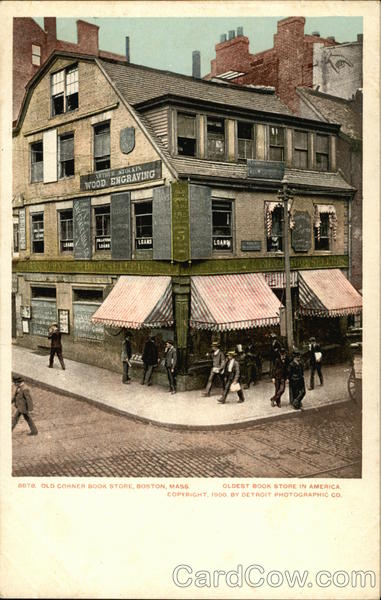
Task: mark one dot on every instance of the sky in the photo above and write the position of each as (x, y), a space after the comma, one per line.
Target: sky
(167, 43)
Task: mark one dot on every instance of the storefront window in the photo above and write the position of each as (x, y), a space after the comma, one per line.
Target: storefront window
(66, 230)
(102, 228)
(38, 233)
(222, 225)
(143, 225)
(323, 233)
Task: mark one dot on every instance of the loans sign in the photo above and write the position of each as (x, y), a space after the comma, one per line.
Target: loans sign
(123, 176)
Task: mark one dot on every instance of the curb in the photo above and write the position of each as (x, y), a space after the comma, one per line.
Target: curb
(179, 426)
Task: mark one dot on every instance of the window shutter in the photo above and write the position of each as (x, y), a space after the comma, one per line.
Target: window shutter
(200, 214)
(49, 143)
(121, 226)
(81, 226)
(162, 223)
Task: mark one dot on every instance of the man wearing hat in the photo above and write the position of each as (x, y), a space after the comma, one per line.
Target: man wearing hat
(126, 356)
(296, 381)
(23, 403)
(217, 369)
(232, 375)
(150, 359)
(280, 377)
(315, 362)
(274, 352)
(170, 361)
(54, 335)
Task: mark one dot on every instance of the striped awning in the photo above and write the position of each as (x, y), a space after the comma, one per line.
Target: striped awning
(136, 302)
(327, 293)
(227, 302)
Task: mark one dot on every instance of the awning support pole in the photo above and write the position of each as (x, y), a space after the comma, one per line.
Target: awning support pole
(285, 194)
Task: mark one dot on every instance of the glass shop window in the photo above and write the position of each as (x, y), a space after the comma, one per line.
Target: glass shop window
(143, 225)
(222, 225)
(102, 228)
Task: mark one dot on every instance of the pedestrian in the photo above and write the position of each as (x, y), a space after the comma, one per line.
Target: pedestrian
(252, 364)
(242, 361)
(232, 378)
(315, 362)
(126, 357)
(150, 359)
(22, 400)
(280, 377)
(170, 361)
(275, 346)
(218, 367)
(54, 335)
(296, 381)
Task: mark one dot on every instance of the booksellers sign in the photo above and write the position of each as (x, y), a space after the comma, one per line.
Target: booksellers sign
(123, 176)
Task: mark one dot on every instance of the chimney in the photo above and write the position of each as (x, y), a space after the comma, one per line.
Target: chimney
(196, 64)
(222, 38)
(315, 33)
(127, 49)
(239, 31)
(87, 35)
(360, 38)
(331, 38)
(231, 34)
(50, 26)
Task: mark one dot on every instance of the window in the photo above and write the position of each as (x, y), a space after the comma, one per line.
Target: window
(15, 236)
(322, 233)
(36, 55)
(186, 135)
(301, 149)
(102, 228)
(44, 292)
(276, 144)
(87, 295)
(38, 233)
(322, 152)
(64, 90)
(245, 135)
(66, 155)
(36, 161)
(66, 230)
(102, 147)
(222, 225)
(143, 224)
(274, 218)
(216, 138)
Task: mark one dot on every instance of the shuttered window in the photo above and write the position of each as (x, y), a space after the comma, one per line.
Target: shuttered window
(66, 155)
(102, 146)
(36, 161)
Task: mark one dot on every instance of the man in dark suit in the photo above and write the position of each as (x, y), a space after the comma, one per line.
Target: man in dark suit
(315, 362)
(126, 356)
(232, 376)
(218, 366)
(280, 377)
(23, 403)
(296, 381)
(150, 359)
(54, 336)
(275, 346)
(170, 361)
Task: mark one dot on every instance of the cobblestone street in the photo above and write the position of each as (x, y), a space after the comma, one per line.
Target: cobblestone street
(77, 439)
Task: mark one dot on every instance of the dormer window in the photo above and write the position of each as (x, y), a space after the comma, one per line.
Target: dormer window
(322, 152)
(186, 134)
(216, 138)
(245, 136)
(64, 90)
(276, 143)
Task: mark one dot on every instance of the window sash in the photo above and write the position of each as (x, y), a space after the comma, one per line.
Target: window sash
(66, 148)
(245, 148)
(322, 144)
(301, 159)
(186, 126)
(222, 230)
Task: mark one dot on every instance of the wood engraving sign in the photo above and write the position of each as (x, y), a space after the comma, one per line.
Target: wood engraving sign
(123, 176)
(301, 233)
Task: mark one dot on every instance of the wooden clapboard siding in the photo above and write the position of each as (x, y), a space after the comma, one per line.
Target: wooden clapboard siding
(158, 119)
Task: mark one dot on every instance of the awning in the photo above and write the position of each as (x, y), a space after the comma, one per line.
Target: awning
(136, 302)
(227, 302)
(327, 293)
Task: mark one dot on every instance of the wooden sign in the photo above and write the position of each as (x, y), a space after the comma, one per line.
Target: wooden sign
(251, 245)
(301, 232)
(265, 169)
(115, 177)
(81, 228)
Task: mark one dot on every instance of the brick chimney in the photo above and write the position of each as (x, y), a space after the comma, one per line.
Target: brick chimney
(289, 48)
(87, 35)
(232, 55)
(50, 27)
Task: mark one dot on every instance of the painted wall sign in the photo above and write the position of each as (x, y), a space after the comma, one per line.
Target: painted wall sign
(301, 232)
(265, 169)
(251, 245)
(22, 230)
(63, 320)
(123, 176)
(127, 139)
(81, 228)
(44, 313)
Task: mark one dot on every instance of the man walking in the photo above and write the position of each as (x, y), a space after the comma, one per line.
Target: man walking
(280, 377)
(274, 352)
(24, 405)
(54, 335)
(170, 361)
(315, 362)
(232, 375)
(217, 370)
(150, 359)
(126, 356)
(296, 380)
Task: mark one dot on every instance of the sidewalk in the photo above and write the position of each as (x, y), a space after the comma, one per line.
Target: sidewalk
(154, 404)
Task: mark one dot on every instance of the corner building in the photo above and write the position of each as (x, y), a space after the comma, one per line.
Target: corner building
(147, 200)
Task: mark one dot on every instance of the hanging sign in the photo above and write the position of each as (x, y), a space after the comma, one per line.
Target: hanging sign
(301, 232)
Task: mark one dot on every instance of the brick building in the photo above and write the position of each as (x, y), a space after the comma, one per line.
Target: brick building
(32, 46)
(148, 200)
(295, 60)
